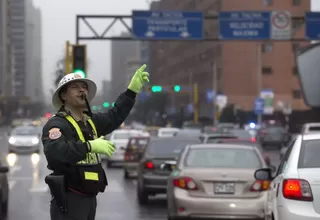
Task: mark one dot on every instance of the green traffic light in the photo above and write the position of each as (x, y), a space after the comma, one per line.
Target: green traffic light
(112, 104)
(156, 88)
(177, 88)
(106, 104)
(94, 108)
(81, 72)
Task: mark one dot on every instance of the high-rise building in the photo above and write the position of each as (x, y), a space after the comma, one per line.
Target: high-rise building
(121, 51)
(236, 61)
(18, 38)
(5, 49)
(33, 82)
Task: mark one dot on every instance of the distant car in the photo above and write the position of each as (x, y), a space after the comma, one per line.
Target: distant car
(275, 136)
(294, 192)
(24, 139)
(215, 181)
(133, 154)
(151, 180)
(120, 138)
(167, 132)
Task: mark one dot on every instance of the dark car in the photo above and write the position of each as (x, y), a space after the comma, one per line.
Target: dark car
(4, 191)
(274, 136)
(133, 154)
(151, 179)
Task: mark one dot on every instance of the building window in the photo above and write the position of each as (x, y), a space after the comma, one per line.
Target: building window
(266, 70)
(266, 47)
(296, 94)
(295, 71)
(295, 47)
(296, 24)
(296, 2)
(267, 2)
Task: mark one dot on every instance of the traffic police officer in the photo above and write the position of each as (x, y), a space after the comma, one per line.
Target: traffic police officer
(72, 145)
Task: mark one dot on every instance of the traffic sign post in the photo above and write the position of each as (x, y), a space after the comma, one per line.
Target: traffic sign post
(259, 106)
(168, 25)
(255, 25)
(312, 21)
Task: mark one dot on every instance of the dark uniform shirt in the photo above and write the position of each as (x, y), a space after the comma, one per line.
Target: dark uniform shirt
(66, 149)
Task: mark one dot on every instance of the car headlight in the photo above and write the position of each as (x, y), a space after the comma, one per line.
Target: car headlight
(35, 141)
(12, 140)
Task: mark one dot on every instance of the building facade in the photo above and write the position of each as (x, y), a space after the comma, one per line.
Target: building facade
(121, 51)
(233, 65)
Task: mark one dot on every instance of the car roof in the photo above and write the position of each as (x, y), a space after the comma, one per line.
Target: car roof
(175, 138)
(310, 136)
(229, 146)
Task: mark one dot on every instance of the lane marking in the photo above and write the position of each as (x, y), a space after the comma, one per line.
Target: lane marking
(11, 184)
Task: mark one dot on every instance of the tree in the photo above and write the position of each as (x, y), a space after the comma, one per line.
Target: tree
(59, 71)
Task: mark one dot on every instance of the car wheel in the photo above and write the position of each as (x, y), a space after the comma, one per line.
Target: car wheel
(4, 208)
(126, 174)
(109, 164)
(143, 197)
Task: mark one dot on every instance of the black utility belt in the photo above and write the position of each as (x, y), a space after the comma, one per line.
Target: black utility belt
(92, 178)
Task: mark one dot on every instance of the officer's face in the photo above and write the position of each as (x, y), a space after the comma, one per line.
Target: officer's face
(74, 94)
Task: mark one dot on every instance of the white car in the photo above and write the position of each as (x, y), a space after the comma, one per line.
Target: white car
(167, 132)
(120, 138)
(294, 193)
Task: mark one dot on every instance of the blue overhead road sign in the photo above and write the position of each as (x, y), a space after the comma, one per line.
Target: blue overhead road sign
(244, 25)
(168, 25)
(312, 21)
(259, 106)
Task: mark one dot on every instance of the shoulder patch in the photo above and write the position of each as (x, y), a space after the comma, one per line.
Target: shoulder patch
(54, 133)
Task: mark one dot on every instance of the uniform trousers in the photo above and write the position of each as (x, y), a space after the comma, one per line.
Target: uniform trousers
(79, 207)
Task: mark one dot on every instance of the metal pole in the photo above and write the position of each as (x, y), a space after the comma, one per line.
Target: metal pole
(195, 103)
(67, 58)
(215, 89)
(259, 76)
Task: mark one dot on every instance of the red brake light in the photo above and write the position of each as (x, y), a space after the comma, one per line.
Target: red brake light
(185, 183)
(259, 186)
(253, 140)
(148, 165)
(127, 156)
(297, 189)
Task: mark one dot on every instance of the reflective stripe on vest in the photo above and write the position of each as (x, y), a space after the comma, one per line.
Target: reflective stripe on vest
(91, 158)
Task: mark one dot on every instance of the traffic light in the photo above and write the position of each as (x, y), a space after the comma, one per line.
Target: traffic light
(106, 104)
(156, 88)
(79, 60)
(112, 104)
(177, 88)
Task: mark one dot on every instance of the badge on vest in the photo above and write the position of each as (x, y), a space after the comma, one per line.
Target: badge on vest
(91, 176)
(54, 133)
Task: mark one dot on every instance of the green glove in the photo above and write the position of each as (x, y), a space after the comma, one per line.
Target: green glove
(139, 79)
(102, 146)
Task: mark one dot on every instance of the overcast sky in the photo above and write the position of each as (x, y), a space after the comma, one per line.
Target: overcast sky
(58, 17)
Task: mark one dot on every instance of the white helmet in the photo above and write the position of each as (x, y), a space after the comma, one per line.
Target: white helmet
(71, 77)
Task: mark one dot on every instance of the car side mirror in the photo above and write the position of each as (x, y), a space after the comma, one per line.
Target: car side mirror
(4, 169)
(263, 174)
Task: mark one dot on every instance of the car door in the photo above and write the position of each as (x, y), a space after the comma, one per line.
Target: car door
(273, 193)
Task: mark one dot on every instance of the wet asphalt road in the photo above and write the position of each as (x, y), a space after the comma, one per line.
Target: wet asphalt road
(30, 198)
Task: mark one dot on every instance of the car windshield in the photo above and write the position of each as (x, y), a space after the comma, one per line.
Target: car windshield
(137, 144)
(241, 134)
(168, 132)
(165, 148)
(309, 154)
(233, 158)
(25, 131)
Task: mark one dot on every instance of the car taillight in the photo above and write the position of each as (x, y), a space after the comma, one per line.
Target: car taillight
(253, 139)
(185, 183)
(127, 157)
(148, 165)
(259, 186)
(297, 189)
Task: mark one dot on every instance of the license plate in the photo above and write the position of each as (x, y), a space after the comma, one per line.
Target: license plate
(224, 188)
